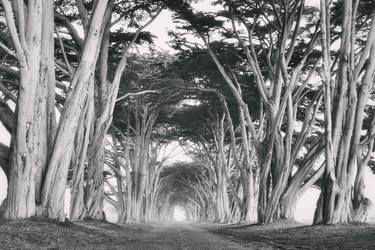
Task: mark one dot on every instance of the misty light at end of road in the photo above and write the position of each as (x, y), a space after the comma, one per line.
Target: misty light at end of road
(179, 213)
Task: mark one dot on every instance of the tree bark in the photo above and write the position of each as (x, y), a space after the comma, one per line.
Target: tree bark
(21, 185)
(54, 184)
(349, 101)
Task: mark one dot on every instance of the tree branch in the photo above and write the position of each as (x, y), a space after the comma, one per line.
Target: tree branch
(136, 94)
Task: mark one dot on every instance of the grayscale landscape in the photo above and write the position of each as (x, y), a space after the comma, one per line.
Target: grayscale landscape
(187, 124)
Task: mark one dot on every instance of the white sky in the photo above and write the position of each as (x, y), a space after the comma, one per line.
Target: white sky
(164, 22)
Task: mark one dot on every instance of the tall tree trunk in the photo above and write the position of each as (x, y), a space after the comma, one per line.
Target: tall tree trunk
(44, 115)
(78, 209)
(94, 186)
(342, 144)
(55, 181)
(21, 185)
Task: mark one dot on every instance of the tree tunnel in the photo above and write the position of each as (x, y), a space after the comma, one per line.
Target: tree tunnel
(182, 196)
(248, 101)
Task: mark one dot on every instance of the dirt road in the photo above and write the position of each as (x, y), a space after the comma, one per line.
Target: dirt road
(44, 234)
(170, 236)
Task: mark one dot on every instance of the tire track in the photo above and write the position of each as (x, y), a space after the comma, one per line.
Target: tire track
(182, 244)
